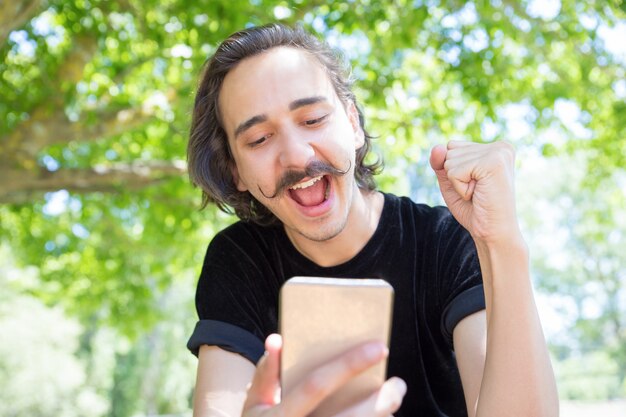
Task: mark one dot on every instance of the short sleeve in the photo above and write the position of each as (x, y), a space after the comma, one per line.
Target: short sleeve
(468, 302)
(228, 337)
(460, 280)
(235, 305)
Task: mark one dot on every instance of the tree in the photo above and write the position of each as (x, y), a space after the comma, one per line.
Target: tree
(579, 262)
(39, 371)
(95, 101)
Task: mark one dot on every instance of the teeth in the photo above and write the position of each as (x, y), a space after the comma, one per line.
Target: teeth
(306, 184)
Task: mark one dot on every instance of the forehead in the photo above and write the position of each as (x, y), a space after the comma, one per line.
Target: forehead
(269, 81)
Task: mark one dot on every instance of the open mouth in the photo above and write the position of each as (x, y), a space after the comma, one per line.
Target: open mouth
(312, 192)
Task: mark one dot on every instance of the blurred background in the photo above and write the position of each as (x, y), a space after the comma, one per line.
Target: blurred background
(101, 236)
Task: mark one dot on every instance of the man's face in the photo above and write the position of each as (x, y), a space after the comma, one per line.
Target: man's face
(282, 115)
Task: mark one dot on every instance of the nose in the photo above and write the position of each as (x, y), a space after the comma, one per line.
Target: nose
(296, 150)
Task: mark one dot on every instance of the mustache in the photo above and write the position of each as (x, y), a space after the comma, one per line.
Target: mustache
(314, 169)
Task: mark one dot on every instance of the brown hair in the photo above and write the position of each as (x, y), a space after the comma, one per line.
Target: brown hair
(208, 154)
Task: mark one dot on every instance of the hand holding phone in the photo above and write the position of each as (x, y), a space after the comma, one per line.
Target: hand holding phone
(313, 388)
(321, 319)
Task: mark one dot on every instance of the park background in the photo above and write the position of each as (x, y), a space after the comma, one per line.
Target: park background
(101, 236)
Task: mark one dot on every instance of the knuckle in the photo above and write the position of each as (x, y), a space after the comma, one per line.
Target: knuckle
(507, 159)
(353, 363)
(507, 148)
(314, 385)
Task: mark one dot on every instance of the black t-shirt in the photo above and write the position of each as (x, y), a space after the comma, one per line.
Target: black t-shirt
(428, 258)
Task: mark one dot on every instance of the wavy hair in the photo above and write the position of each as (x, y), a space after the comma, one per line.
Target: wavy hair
(209, 158)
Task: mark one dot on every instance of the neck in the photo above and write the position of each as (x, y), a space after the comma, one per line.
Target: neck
(361, 224)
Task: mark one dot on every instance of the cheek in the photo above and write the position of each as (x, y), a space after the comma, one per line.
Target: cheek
(349, 141)
(243, 172)
(255, 174)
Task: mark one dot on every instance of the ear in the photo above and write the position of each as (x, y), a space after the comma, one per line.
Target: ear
(353, 117)
(236, 179)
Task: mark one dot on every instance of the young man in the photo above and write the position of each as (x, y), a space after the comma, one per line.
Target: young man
(277, 136)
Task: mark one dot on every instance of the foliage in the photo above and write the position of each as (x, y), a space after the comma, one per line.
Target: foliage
(95, 100)
(39, 371)
(591, 377)
(51, 365)
(110, 85)
(578, 236)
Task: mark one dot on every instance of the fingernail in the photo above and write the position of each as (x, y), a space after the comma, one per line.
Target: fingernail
(400, 386)
(374, 350)
(391, 395)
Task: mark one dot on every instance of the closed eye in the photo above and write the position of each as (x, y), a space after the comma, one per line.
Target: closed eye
(258, 142)
(314, 122)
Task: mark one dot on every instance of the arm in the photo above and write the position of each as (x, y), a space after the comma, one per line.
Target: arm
(516, 349)
(470, 344)
(221, 382)
(477, 184)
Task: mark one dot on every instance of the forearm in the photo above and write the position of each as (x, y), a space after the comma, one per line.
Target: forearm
(219, 404)
(518, 379)
(221, 383)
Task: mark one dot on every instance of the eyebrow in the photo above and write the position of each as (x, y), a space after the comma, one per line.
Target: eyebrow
(294, 105)
(249, 123)
(307, 101)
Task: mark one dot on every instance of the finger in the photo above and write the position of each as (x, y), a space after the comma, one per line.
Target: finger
(461, 179)
(265, 383)
(467, 166)
(455, 144)
(389, 398)
(438, 157)
(481, 151)
(467, 152)
(437, 162)
(329, 377)
(382, 403)
(451, 191)
(463, 168)
(443, 160)
(469, 192)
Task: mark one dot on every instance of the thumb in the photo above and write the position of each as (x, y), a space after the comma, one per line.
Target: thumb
(452, 189)
(437, 160)
(265, 384)
(438, 157)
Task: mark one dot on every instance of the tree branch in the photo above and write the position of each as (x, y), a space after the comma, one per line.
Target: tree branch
(45, 128)
(18, 186)
(19, 148)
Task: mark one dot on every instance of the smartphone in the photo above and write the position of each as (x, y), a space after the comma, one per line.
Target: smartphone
(321, 318)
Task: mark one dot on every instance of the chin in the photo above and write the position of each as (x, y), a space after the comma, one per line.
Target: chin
(322, 233)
